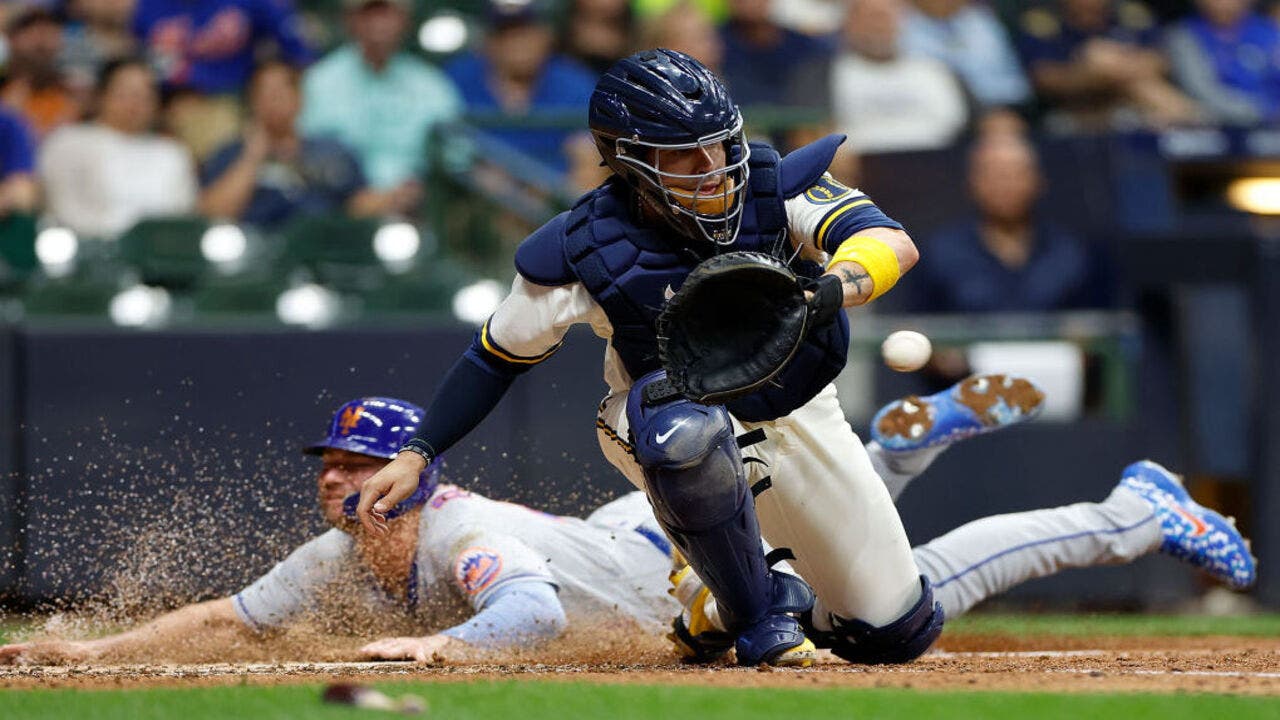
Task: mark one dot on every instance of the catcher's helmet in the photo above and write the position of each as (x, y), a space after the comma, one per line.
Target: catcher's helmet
(379, 427)
(665, 100)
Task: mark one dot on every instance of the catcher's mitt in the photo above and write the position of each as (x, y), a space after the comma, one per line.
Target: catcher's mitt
(734, 324)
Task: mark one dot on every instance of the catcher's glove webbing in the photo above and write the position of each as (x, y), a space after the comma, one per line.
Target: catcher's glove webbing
(736, 322)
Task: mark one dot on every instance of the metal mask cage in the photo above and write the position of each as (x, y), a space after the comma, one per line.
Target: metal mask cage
(721, 227)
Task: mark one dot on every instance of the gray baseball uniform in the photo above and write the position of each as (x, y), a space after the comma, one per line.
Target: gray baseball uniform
(615, 561)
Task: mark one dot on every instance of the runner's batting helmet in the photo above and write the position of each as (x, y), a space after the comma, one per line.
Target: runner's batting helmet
(379, 427)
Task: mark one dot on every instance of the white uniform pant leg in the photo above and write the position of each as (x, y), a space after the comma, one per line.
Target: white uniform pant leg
(612, 432)
(828, 506)
(989, 556)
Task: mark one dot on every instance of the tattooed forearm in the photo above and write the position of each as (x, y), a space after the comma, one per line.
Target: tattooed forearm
(857, 284)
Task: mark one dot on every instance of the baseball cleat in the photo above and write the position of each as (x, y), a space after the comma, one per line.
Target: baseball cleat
(776, 640)
(976, 405)
(1193, 533)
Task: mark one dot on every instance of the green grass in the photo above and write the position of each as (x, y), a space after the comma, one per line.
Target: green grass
(533, 700)
(1267, 625)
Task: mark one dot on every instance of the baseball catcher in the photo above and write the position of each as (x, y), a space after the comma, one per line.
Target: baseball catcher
(686, 187)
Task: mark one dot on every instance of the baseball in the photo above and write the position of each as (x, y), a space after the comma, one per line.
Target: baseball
(906, 350)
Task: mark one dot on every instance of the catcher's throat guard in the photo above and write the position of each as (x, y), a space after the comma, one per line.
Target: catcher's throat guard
(733, 325)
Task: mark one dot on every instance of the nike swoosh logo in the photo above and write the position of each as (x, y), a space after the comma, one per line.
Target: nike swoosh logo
(1200, 526)
(668, 293)
(662, 437)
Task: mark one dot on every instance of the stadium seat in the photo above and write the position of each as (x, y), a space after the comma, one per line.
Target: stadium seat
(426, 289)
(77, 296)
(237, 297)
(17, 249)
(166, 251)
(336, 250)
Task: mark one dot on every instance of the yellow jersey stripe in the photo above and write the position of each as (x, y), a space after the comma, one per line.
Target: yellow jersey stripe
(821, 236)
(496, 351)
(613, 435)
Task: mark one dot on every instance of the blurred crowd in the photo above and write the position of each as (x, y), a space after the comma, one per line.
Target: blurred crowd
(264, 111)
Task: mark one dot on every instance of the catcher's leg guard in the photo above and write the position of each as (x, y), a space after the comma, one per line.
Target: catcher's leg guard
(695, 481)
(901, 641)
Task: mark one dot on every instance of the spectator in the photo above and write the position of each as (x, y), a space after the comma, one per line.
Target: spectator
(32, 81)
(1228, 58)
(274, 174)
(18, 190)
(380, 102)
(598, 32)
(884, 100)
(204, 51)
(761, 56)
(687, 28)
(1097, 67)
(646, 9)
(99, 31)
(103, 176)
(819, 18)
(517, 74)
(969, 38)
(1009, 260)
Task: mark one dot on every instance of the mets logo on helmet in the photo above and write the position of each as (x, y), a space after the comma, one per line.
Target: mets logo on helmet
(476, 569)
(350, 418)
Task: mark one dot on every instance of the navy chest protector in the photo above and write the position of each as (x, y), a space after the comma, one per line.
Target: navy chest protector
(631, 270)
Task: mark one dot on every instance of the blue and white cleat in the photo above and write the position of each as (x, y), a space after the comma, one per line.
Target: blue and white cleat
(978, 404)
(1193, 533)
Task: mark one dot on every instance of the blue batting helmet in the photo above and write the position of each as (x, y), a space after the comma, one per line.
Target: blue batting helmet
(379, 427)
(665, 100)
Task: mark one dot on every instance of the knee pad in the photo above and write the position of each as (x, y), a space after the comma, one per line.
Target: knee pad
(692, 465)
(696, 483)
(901, 641)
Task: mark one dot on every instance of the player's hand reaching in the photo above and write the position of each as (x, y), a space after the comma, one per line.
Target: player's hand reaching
(53, 652)
(432, 648)
(392, 484)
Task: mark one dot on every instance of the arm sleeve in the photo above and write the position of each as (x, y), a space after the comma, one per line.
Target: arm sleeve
(219, 163)
(17, 155)
(516, 614)
(528, 328)
(353, 176)
(1194, 71)
(290, 587)
(829, 213)
(280, 21)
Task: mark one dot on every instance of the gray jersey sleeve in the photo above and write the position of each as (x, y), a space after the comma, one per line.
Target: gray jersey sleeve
(492, 560)
(291, 586)
(479, 542)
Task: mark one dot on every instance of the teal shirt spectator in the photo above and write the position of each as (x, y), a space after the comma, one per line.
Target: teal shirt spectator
(384, 117)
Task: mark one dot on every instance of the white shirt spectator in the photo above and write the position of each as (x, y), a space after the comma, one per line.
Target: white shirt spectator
(99, 182)
(909, 103)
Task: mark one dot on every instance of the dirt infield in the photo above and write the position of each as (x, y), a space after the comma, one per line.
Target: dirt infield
(1249, 666)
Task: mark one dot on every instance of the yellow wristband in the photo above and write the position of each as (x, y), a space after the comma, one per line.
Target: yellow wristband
(879, 260)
